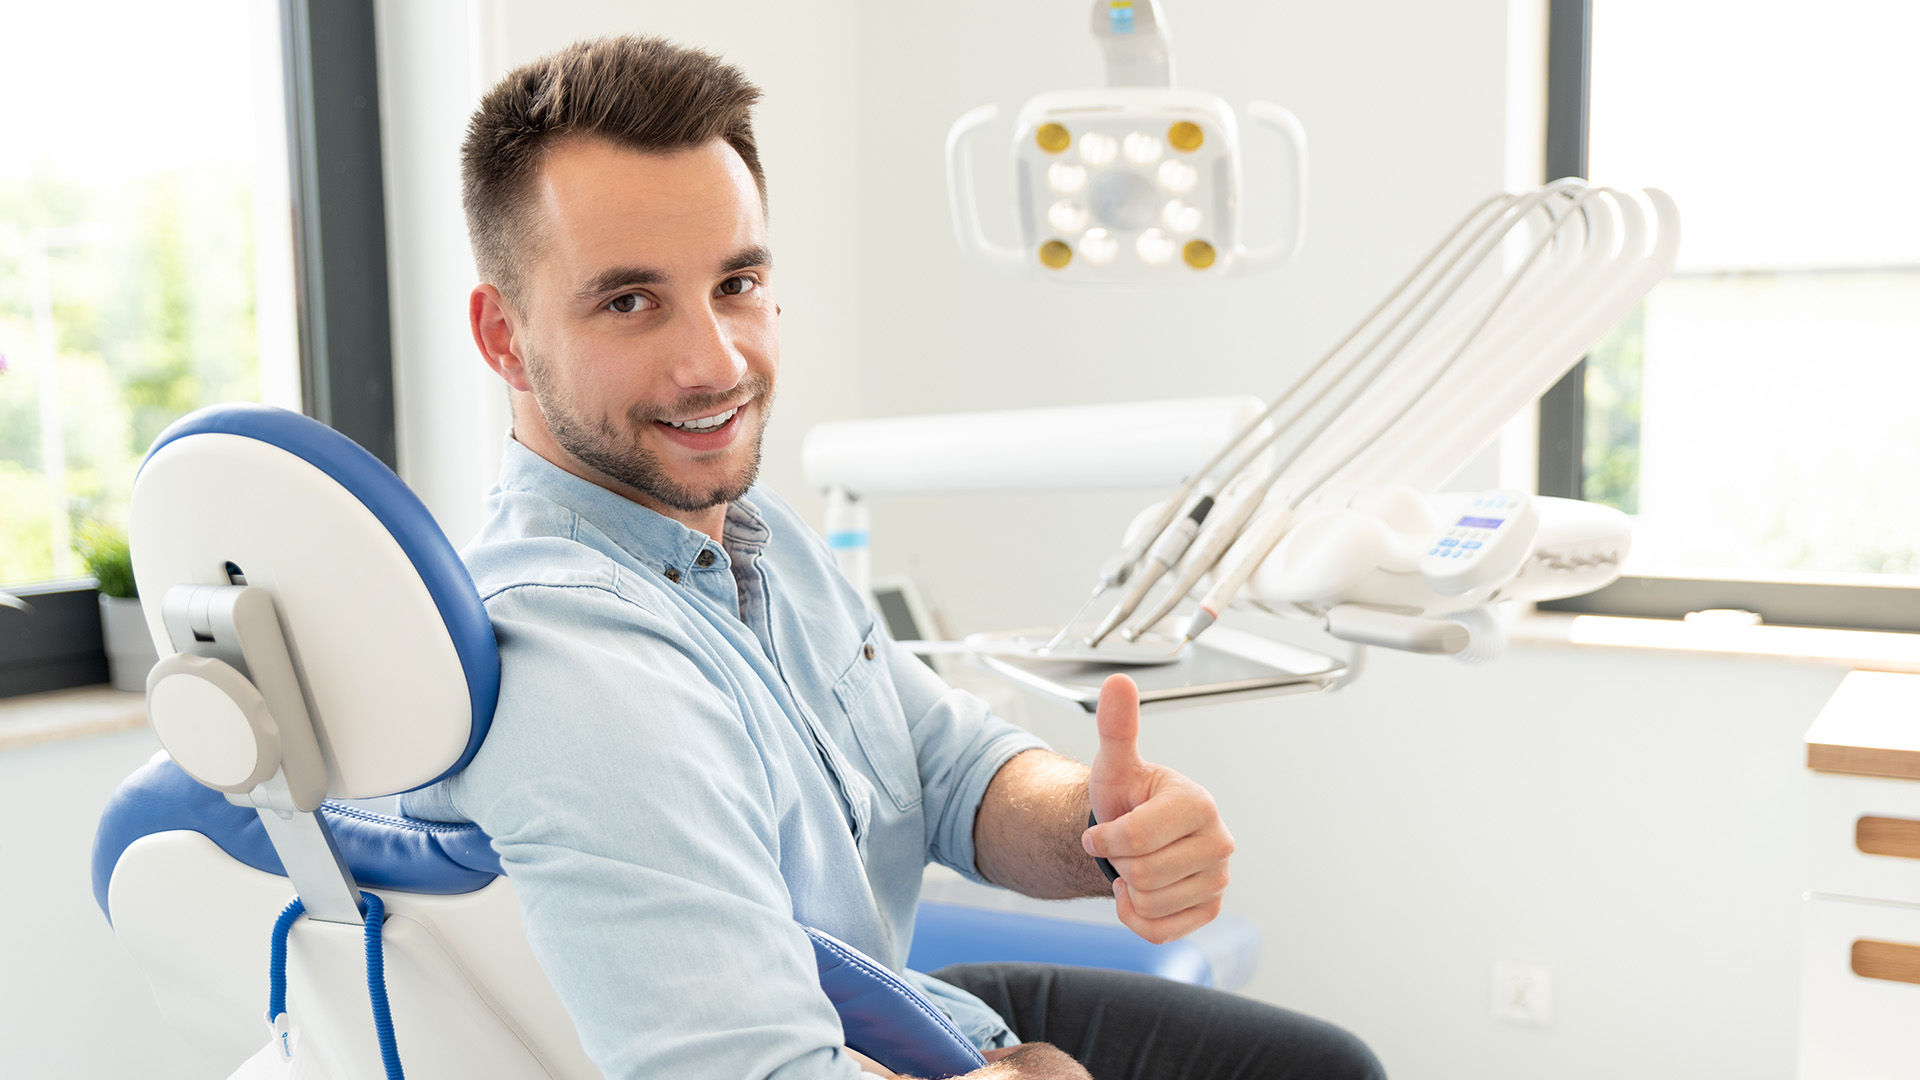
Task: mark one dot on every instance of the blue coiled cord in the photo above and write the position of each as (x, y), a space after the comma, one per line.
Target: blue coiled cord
(375, 914)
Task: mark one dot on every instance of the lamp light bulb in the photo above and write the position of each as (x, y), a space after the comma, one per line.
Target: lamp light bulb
(1176, 176)
(1069, 216)
(1066, 178)
(1180, 217)
(1141, 148)
(1154, 246)
(1097, 149)
(1099, 246)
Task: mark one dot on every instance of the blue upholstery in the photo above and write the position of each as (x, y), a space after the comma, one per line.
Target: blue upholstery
(396, 507)
(882, 1015)
(955, 934)
(887, 1019)
(383, 852)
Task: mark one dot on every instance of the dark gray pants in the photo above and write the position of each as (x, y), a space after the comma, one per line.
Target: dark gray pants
(1125, 1026)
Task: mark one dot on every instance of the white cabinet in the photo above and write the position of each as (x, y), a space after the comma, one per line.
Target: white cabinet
(1860, 966)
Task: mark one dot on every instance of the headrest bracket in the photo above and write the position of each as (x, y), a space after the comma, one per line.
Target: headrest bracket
(231, 682)
(236, 625)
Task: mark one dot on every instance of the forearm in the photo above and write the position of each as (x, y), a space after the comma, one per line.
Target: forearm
(1026, 834)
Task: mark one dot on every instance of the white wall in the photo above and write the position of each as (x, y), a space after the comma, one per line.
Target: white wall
(1630, 820)
(438, 56)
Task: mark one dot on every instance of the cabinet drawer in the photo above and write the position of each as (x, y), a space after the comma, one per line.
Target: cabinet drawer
(1856, 1026)
(1865, 837)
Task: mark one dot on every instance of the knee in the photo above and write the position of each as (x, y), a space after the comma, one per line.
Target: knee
(1342, 1056)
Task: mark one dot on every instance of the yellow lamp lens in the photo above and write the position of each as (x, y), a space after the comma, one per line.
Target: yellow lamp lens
(1197, 254)
(1053, 138)
(1056, 254)
(1185, 135)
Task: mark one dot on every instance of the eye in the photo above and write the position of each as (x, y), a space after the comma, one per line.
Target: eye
(627, 303)
(738, 285)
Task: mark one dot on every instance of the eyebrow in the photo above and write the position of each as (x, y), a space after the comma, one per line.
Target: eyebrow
(619, 277)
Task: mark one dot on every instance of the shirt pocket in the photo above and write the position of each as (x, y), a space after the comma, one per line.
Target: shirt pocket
(872, 705)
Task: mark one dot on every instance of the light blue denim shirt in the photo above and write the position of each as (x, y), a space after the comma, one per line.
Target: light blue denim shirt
(699, 746)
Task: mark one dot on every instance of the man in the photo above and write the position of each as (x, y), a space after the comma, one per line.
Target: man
(703, 737)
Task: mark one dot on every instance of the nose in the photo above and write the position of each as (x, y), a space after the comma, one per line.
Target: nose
(707, 358)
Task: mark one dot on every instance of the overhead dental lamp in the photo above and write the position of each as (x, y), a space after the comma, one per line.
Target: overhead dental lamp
(1136, 182)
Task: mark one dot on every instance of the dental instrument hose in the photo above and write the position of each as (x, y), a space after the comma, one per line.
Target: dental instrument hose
(1119, 569)
(1512, 209)
(1265, 540)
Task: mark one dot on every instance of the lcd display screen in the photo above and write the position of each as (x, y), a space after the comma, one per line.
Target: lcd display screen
(1480, 523)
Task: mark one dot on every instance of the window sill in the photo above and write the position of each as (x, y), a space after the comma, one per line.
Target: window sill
(59, 715)
(1853, 649)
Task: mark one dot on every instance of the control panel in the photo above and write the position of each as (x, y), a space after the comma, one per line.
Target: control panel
(1484, 544)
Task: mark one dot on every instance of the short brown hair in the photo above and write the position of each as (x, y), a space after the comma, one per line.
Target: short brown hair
(642, 93)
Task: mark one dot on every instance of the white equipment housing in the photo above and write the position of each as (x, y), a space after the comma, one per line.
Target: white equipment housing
(1135, 183)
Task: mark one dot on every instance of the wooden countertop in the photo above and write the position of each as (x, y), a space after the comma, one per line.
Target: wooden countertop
(1870, 727)
(56, 715)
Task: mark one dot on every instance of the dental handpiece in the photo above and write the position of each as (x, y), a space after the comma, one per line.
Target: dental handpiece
(1212, 543)
(1255, 544)
(1160, 558)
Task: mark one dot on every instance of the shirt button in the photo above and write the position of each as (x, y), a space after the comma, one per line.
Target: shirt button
(673, 575)
(704, 559)
(868, 651)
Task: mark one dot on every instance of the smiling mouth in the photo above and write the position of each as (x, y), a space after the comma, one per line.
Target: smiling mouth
(705, 423)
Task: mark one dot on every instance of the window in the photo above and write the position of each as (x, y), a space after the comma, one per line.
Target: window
(169, 238)
(145, 257)
(1756, 412)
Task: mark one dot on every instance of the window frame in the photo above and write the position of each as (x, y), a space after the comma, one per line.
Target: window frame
(331, 82)
(1562, 432)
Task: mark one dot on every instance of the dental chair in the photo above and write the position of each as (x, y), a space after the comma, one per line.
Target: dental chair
(324, 646)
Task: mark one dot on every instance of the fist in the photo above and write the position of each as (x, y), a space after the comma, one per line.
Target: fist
(1161, 831)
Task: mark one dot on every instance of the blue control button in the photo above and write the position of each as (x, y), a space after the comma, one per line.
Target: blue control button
(1471, 544)
(1448, 542)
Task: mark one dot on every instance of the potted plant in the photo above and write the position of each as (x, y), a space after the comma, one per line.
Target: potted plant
(130, 651)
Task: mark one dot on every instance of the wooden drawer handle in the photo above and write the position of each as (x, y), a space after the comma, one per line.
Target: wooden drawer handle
(1888, 836)
(1888, 960)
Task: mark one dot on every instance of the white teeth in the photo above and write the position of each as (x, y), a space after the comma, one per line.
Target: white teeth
(706, 423)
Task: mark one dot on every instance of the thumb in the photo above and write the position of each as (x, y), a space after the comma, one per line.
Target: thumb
(1118, 721)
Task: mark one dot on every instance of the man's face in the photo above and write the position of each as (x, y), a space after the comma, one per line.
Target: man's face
(647, 326)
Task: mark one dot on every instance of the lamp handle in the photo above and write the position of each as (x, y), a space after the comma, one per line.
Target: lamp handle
(1287, 126)
(960, 195)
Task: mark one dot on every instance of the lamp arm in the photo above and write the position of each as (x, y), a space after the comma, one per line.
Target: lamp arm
(1288, 127)
(960, 195)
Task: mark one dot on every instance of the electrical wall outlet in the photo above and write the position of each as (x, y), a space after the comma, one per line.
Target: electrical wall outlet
(1522, 993)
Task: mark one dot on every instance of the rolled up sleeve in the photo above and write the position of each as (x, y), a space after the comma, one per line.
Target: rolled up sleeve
(959, 744)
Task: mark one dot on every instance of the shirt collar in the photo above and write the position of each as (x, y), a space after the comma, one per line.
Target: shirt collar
(650, 538)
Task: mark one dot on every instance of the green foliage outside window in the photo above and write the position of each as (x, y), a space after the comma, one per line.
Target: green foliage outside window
(152, 319)
(1611, 458)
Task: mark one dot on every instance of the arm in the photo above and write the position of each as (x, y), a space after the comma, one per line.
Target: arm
(1161, 831)
(630, 807)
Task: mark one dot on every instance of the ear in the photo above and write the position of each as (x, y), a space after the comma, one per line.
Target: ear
(494, 332)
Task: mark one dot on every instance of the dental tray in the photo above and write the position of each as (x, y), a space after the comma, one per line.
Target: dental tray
(1222, 665)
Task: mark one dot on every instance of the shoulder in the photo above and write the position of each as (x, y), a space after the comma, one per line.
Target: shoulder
(534, 551)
